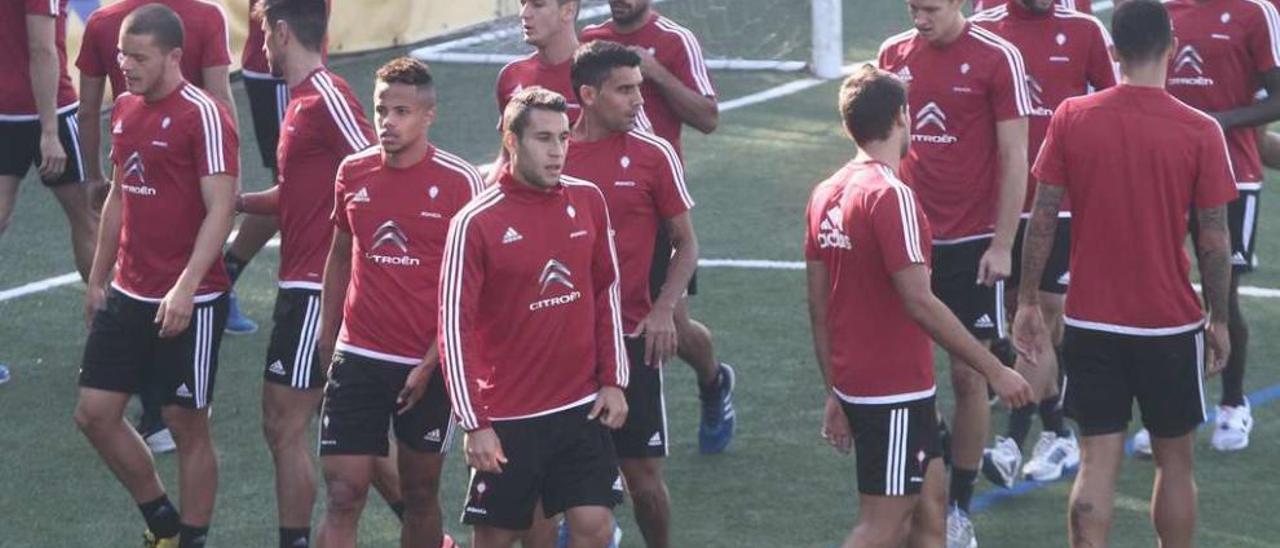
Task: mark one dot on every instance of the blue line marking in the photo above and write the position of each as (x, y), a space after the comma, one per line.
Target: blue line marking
(989, 498)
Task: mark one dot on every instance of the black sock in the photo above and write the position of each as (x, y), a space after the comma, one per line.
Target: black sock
(1020, 423)
(398, 508)
(962, 487)
(193, 537)
(295, 537)
(235, 265)
(1051, 417)
(161, 517)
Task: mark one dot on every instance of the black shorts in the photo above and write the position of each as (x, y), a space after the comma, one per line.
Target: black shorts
(644, 435)
(661, 262)
(1242, 220)
(125, 352)
(291, 354)
(1107, 371)
(1056, 276)
(360, 401)
(563, 459)
(955, 274)
(268, 98)
(20, 148)
(894, 443)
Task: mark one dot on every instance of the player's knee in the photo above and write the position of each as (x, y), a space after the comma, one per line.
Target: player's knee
(596, 530)
(279, 436)
(421, 494)
(88, 420)
(879, 534)
(344, 497)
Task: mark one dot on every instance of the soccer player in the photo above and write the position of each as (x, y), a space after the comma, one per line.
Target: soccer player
(1134, 327)
(205, 64)
(392, 212)
(38, 117)
(1226, 50)
(1082, 6)
(325, 123)
(1066, 54)
(969, 103)
(677, 90)
(531, 339)
(643, 183)
(873, 315)
(170, 207)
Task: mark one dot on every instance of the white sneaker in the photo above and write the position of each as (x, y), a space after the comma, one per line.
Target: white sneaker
(161, 441)
(1038, 453)
(1001, 462)
(960, 529)
(1231, 433)
(1142, 444)
(1062, 454)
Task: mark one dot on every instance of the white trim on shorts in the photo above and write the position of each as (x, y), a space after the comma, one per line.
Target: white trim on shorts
(905, 397)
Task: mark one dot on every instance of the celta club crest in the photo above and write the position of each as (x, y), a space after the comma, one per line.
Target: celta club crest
(571, 211)
(389, 233)
(433, 192)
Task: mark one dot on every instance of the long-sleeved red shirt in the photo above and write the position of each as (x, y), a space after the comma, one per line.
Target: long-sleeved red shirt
(530, 303)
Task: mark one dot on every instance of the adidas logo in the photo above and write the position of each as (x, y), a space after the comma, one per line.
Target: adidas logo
(984, 322)
(183, 391)
(433, 436)
(361, 196)
(277, 368)
(1065, 278)
(656, 440)
(511, 236)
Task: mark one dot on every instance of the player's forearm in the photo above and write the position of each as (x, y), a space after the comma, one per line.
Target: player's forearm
(684, 261)
(693, 108)
(819, 292)
(213, 233)
(218, 84)
(1038, 241)
(945, 329)
(1012, 195)
(265, 202)
(90, 121)
(104, 255)
(1213, 247)
(1269, 148)
(43, 71)
(337, 275)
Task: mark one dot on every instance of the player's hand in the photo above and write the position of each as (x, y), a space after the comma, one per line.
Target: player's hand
(996, 264)
(484, 451)
(648, 63)
(174, 313)
(835, 426)
(95, 299)
(1030, 335)
(610, 407)
(1219, 348)
(1011, 387)
(659, 332)
(414, 387)
(53, 159)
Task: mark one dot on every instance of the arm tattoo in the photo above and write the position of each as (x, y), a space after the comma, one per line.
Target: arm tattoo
(1213, 246)
(1038, 241)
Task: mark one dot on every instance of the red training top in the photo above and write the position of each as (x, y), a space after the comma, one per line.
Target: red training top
(17, 99)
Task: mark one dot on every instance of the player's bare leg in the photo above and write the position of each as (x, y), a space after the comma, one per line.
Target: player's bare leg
(347, 479)
(543, 533)
(715, 381)
(493, 537)
(650, 499)
(589, 526)
(1173, 495)
(883, 522)
(386, 479)
(420, 486)
(255, 231)
(8, 198)
(929, 523)
(197, 462)
(99, 415)
(83, 220)
(286, 419)
(1091, 506)
(968, 429)
(694, 345)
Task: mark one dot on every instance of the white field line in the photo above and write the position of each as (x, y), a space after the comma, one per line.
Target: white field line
(493, 36)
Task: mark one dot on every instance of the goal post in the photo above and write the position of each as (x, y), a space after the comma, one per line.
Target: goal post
(735, 40)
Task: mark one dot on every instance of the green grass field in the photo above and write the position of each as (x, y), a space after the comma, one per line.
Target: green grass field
(778, 485)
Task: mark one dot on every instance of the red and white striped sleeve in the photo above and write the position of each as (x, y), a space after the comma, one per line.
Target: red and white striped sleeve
(900, 227)
(214, 140)
(690, 66)
(462, 274)
(350, 130)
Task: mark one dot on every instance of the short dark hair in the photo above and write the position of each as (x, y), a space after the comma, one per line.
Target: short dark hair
(516, 116)
(1141, 30)
(308, 19)
(408, 71)
(159, 22)
(594, 61)
(870, 102)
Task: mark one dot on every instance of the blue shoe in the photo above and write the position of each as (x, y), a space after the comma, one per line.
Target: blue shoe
(4, 374)
(237, 322)
(562, 535)
(715, 431)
